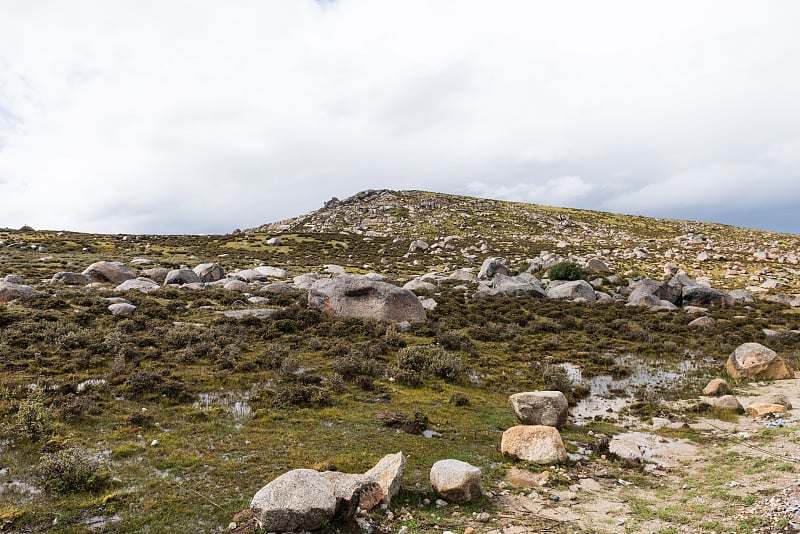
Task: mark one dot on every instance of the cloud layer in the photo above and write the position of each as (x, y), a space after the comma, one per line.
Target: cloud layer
(204, 116)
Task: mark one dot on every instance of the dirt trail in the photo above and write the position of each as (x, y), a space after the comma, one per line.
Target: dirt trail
(730, 476)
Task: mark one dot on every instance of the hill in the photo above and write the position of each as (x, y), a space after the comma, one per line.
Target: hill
(155, 383)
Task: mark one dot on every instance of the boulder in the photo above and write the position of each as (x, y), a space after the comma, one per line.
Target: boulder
(419, 285)
(157, 274)
(112, 272)
(576, 289)
(209, 272)
(389, 474)
(765, 410)
(493, 266)
(356, 296)
(304, 281)
(180, 277)
(278, 287)
(353, 492)
(534, 443)
(741, 296)
(270, 272)
(274, 242)
(597, 265)
(236, 285)
(145, 285)
(728, 403)
(71, 279)
(122, 308)
(13, 279)
(717, 387)
(456, 481)
(515, 286)
(10, 291)
(418, 246)
(753, 360)
(706, 297)
(774, 398)
(547, 408)
(463, 275)
(298, 500)
(703, 322)
(647, 292)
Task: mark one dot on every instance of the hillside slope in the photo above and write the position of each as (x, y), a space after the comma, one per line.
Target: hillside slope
(464, 230)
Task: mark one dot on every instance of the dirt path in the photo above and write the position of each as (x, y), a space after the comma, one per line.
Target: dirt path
(728, 476)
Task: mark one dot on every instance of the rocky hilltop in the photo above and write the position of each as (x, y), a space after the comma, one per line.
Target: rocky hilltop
(449, 232)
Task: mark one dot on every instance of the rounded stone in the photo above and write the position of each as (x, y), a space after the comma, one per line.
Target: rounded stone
(456, 481)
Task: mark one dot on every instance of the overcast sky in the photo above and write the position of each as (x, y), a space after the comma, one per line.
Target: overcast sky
(201, 117)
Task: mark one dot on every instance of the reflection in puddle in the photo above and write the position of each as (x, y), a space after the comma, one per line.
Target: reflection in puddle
(609, 395)
(235, 402)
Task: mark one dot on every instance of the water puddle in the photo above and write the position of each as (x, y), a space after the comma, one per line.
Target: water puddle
(99, 522)
(608, 395)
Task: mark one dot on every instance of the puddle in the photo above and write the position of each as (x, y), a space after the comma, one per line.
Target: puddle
(99, 522)
(17, 487)
(609, 395)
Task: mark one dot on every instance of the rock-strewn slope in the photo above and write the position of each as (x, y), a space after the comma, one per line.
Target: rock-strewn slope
(457, 229)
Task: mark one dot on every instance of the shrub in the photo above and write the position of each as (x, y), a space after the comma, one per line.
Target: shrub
(352, 365)
(33, 420)
(417, 361)
(459, 399)
(72, 470)
(455, 340)
(556, 378)
(566, 270)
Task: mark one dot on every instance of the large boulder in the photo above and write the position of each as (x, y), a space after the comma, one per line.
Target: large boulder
(576, 289)
(10, 291)
(753, 360)
(356, 296)
(157, 274)
(515, 286)
(71, 279)
(181, 277)
(456, 481)
(647, 292)
(298, 500)
(547, 408)
(419, 285)
(728, 403)
(389, 474)
(706, 297)
(112, 272)
(209, 272)
(534, 443)
(493, 266)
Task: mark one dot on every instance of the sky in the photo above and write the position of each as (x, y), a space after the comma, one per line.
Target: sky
(194, 116)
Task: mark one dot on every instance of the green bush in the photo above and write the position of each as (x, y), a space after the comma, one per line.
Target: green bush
(416, 362)
(566, 270)
(33, 420)
(72, 470)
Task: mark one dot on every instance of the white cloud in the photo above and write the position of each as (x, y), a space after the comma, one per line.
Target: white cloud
(205, 116)
(554, 192)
